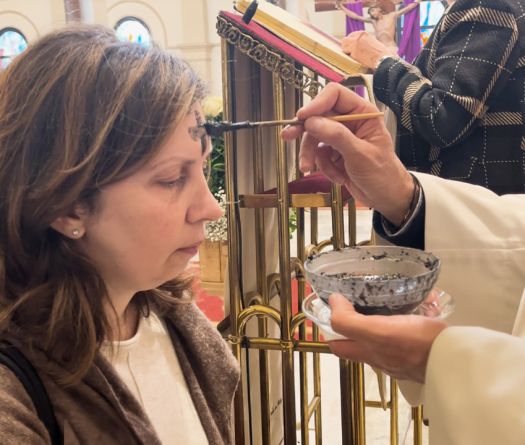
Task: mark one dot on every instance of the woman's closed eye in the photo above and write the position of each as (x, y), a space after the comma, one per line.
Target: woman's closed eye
(181, 180)
(177, 179)
(174, 183)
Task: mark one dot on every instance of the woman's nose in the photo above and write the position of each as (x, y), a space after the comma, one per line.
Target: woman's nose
(205, 208)
(214, 210)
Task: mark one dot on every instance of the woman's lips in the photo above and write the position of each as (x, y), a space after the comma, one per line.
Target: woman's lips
(191, 250)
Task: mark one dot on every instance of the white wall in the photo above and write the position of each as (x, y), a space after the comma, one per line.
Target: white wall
(215, 79)
(184, 27)
(331, 22)
(32, 18)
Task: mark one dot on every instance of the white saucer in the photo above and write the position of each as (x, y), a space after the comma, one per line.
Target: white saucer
(438, 304)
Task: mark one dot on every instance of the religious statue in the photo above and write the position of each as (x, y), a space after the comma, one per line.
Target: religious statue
(384, 23)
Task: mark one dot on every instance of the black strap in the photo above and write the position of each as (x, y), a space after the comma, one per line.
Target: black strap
(26, 373)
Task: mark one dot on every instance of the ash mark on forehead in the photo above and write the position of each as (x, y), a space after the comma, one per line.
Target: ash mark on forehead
(199, 132)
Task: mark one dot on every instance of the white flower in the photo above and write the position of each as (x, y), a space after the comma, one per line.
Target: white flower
(218, 230)
(212, 106)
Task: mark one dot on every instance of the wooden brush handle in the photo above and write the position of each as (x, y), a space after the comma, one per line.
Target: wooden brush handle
(339, 118)
(355, 117)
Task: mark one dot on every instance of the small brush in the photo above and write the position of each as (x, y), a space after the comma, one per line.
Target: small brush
(218, 128)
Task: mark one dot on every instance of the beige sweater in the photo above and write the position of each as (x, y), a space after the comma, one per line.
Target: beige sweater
(101, 410)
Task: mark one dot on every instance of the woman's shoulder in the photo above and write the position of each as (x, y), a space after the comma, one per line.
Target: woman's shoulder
(19, 422)
(11, 388)
(189, 324)
(188, 318)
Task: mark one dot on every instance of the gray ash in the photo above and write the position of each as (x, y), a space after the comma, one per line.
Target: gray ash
(366, 277)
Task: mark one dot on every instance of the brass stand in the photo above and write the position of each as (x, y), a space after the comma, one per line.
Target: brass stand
(255, 306)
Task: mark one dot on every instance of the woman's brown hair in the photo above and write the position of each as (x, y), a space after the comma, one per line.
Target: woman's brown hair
(79, 110)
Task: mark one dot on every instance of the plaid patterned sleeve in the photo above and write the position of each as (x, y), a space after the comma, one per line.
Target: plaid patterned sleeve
(462, 69)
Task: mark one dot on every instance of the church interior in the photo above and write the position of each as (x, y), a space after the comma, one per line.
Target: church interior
(262, 61)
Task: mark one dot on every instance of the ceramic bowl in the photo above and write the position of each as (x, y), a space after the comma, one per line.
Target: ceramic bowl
(382, 280)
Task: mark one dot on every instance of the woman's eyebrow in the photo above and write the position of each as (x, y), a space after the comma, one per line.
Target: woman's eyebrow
(171, 162)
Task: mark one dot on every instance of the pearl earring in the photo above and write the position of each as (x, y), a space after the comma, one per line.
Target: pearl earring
(76, 233)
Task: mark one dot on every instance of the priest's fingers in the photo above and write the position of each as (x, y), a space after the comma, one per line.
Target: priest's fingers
(399, 344)
(291, 132)
(346, 321)
(335, 99)
(331, 166)
(358, 345)
(336, 135)
(307, 153)
(349, 42)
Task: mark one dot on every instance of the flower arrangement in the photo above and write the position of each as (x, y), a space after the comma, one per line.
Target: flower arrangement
(216, 230)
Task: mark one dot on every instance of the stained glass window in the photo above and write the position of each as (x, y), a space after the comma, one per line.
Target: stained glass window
(12, 43)
(133, 30)
(429, 14)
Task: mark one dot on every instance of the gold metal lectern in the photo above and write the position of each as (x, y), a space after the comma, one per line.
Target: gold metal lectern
(266, 78)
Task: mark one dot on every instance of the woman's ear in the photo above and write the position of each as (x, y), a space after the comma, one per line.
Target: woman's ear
(72, 225)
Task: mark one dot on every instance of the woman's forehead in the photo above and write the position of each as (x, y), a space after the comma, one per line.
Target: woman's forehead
(183, 144)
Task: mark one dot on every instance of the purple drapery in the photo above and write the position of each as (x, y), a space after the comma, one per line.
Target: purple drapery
(355, 25)
(410, 43)
(351, 24)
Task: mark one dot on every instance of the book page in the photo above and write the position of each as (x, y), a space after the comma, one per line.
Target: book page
(302, 34)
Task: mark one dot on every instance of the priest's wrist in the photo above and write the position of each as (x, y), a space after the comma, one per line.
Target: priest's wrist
(407, 203)
(380, 60)
(383, 58)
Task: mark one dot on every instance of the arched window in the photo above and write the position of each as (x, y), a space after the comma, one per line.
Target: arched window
(12, 43)
(429, 12)
(133, 30)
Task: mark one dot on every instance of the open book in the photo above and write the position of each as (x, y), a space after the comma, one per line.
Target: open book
(302, 34)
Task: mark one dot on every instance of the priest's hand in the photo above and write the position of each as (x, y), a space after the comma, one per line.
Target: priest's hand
(364, 48)
(399, 345)
(358, 154)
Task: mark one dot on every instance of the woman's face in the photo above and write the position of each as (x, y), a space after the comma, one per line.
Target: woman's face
(146, 227)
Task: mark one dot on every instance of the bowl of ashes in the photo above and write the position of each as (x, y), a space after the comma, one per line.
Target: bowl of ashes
(382, 280)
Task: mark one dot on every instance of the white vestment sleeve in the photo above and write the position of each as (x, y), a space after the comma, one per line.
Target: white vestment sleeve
(480, 238)
(475, 388)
